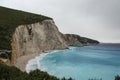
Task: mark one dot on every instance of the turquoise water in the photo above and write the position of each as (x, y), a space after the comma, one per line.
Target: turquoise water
(83, 63)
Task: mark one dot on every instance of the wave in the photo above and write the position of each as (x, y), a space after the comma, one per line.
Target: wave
(34, 63)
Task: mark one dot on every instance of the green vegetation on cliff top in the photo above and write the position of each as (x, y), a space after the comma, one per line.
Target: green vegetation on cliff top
(10, 19)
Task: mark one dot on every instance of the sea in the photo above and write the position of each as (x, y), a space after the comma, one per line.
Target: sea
(95, 62)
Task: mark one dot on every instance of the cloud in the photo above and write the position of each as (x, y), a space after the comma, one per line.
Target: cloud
(97, 19)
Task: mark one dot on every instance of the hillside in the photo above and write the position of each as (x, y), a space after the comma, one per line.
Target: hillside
(10, 19)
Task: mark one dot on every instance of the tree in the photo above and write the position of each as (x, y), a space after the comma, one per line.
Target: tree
(117, 77)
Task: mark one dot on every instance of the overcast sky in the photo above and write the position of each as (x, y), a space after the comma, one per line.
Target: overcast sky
(97, 19)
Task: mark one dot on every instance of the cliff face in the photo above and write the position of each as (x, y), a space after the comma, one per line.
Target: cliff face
(35, 38)
(41, 36)
(76, 40)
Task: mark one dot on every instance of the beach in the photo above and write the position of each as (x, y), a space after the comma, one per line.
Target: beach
(23, 60)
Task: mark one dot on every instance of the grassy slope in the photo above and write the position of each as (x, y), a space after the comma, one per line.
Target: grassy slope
(10, 19)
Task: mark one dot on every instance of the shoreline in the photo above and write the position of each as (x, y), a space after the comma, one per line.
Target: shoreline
(34, 63)
(23, 61)
(26, 61)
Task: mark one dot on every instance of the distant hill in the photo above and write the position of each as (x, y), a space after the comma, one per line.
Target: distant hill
(10, 19)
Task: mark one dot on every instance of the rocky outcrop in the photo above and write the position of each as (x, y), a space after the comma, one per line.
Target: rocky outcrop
(76, 40)
(41, 36)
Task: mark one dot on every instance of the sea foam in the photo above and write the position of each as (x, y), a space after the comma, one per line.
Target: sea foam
(34, 63)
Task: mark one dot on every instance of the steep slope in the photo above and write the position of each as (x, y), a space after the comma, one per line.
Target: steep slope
(10, 19)
(25, 33)
(76, 40)
(35, 38)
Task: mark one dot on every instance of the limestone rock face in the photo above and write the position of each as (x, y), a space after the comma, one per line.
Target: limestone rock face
(41, 36)
(35, 38)
(76, 40)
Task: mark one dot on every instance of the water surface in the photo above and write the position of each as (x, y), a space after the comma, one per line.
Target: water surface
(83, 63)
